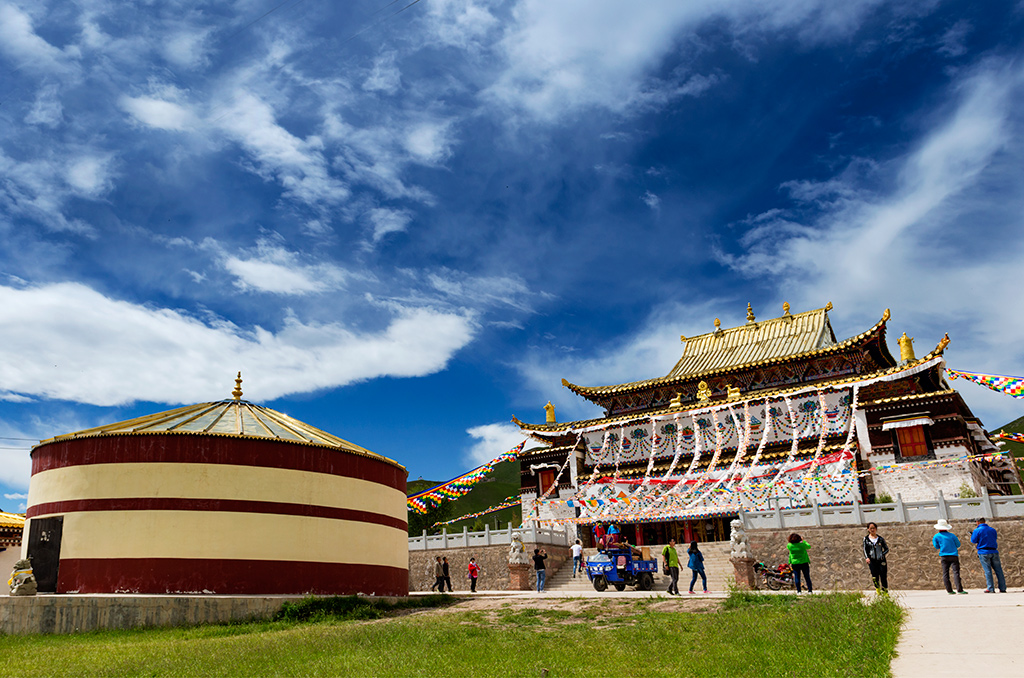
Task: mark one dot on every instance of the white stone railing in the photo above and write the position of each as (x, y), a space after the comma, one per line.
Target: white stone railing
(1011, 506)
(466, 539)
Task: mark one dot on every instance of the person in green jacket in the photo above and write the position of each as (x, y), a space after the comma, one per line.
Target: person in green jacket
(800, 561)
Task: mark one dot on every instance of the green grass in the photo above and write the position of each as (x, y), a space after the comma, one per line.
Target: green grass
(823, 635)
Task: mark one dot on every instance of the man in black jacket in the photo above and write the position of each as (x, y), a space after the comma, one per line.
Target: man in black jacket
(447, 576)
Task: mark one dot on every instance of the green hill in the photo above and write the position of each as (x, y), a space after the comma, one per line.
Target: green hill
(501, 483)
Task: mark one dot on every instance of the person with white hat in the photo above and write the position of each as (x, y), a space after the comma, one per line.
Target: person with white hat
(949, 549)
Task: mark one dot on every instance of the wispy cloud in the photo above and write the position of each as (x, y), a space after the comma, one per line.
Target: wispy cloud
(69, 342)
(492, 440)
(271, 268)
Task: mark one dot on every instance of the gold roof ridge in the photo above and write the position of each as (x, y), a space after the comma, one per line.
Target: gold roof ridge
(634, 385)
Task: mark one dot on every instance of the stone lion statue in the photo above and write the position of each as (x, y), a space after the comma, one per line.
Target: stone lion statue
(516, 550)
(22, 582)
(738, 541)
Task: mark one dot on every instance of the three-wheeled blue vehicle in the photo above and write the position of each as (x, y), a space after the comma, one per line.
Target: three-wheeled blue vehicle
(620, 568)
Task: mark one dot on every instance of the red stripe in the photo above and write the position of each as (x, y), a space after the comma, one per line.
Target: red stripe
(227, 577)
(201, 449)
(228, 505)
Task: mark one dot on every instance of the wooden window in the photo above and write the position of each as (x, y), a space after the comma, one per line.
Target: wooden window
(547, 479)
(912, 442)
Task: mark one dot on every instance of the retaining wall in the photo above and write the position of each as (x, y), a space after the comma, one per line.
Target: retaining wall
(837, 561)
(493, 562)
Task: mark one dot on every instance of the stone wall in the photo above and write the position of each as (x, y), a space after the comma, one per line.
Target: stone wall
(493, 562)
(837, 563)
(923, 483)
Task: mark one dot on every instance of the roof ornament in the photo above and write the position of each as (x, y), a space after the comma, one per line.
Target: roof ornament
(828, 307)
(886, 315)
(750, 313)
(943, 343)
(549, 413)
(703, 391)
(682, 338)
(732, 391)
(785, 308)
(677, 401)
(718, 324)
(237, 393)
(906, 348)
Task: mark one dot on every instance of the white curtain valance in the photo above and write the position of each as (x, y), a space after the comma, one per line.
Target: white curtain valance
(907, 423)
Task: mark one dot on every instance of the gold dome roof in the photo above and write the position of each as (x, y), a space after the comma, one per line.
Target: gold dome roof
(234, 417)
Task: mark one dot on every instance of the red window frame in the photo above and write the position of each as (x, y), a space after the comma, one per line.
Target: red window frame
(912, 442)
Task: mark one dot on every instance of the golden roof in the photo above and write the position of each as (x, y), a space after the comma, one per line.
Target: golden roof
(767, 344)
(234, 417)
(755, 342)
(8, 520)
(540, 431)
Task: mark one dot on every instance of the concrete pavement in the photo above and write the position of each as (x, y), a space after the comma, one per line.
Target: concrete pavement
(972, 635)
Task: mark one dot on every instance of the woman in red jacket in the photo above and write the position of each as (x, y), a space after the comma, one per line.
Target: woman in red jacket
(474, 572)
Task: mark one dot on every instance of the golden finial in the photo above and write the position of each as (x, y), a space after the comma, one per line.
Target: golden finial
(718, 324)
(943, 343)
(237, 393)
(549, 412)
(677, 401)
(682, 338)
(828, 307)
(750, 313)
(906, 348)
(785, 308)
(703, 392)
(886, 315)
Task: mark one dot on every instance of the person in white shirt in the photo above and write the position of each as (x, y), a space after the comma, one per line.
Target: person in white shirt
(577, 558)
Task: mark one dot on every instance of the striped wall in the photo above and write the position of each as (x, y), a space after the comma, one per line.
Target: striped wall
(221, 514)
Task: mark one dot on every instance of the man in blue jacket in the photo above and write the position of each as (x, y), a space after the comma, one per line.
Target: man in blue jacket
(984, 539)
(949, 548)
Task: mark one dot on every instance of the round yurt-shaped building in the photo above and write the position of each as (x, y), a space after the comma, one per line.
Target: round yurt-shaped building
(224, 497)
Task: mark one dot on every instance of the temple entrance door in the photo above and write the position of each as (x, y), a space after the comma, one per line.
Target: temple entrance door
(44, 551)
(688, 534)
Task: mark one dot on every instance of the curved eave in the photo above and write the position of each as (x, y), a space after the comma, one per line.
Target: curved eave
(349, 448)
(548, 431)
(596, 392)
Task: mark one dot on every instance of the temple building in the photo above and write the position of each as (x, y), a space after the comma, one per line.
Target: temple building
(773, 413)
(224, 497)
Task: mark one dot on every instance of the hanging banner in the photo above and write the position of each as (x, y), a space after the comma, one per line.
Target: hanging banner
(1011, 386)
(421, 502)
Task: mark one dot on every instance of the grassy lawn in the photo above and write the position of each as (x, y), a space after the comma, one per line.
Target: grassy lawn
(750, 635)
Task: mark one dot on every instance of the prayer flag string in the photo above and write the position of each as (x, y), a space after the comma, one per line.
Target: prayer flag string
(421, 502)
(1001, 383)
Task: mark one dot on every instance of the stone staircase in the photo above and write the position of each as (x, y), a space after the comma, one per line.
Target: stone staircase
(716, 566)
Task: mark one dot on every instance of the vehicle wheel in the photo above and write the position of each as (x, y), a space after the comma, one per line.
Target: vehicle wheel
(600, 583)
(619, 585)
(772, 583)
(645, 582)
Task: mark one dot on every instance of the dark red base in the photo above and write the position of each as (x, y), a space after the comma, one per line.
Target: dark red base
(227, 577)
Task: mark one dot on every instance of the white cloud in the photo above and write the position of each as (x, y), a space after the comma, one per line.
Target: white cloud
(565, 56)
(298, 165)
(428, 142)
(386, 221)
(19, 41)
(15, 496)
(651, 200)
(492, 440)
(89, 176)
(273, 269)
(47, 109)
(38, 189)
(67, 341)
(931, 244)
(158, 113)
(385, 76)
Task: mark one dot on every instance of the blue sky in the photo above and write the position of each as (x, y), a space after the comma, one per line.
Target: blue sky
(405, 224)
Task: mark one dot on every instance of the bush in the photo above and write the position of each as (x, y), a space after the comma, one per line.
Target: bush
(966, 491)
(342, 608)
(883, 498)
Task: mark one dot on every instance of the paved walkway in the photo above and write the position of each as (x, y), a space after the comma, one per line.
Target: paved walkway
(974, 635)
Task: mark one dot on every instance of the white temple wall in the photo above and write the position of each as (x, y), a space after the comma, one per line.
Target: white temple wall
(923, 484)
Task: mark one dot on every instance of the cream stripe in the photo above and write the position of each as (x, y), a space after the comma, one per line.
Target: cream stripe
(244, 536)
(214, 481)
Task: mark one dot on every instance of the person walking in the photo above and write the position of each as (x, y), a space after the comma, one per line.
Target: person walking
(800, 561)
(539, 556)
(438, 576)
(447, 575)
(474, 572)
(984, 539)
(697, 565)
(875, 549)
(577, 558)
(671, 564)
(949, 548)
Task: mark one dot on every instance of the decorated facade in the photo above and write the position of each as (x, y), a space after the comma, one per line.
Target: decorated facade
(773, 413)
(226, 497)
